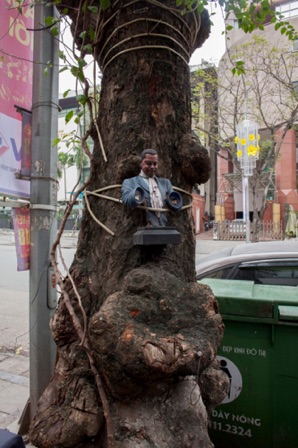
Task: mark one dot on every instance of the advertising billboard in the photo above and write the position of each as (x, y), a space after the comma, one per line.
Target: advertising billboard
(16, 71)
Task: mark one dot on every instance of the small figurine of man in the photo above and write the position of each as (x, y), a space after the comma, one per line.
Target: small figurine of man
(151, 191)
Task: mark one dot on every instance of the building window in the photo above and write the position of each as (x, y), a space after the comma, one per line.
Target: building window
(288, 10)
(295, 45)
(235, 24)
(295, 88)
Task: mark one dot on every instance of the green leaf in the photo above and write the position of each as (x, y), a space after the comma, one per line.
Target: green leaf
(82, 99)
(65, 94)
(104, 4)
(69, 116)
(61, 55)
(63, 69)
(55, 31)
(74, 70)
(88, 48)
(56, 141)
(78, 73)
(83, 34)
(200, 8)
(81, 62)
(49, 21)
(93, 9)
(92, 34)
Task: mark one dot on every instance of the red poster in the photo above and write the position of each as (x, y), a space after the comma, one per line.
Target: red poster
(21, 225)
(26, 143)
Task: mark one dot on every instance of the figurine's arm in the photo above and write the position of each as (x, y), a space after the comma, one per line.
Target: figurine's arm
(173, 199)
(132, 195)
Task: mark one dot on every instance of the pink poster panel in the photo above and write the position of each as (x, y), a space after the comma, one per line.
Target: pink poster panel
(16, 57)
(21, 225)
(16, 54)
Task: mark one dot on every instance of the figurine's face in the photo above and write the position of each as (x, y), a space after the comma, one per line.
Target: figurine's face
(149, 165)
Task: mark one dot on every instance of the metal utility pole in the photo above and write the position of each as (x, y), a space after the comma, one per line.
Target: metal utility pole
(43, 202)
(247, 140)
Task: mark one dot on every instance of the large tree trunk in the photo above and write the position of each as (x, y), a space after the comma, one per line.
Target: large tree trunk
(152, 332)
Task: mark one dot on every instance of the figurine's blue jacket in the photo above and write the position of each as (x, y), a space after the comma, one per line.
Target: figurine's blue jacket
(138, 184)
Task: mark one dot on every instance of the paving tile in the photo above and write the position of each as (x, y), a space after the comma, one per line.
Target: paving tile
(14, 398)
(3, 356)
(15, 364)
(10, 378)
(3, 385)
(6, 419)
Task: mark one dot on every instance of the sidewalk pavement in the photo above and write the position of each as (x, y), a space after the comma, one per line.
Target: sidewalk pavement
(14, 390)
(14, 368)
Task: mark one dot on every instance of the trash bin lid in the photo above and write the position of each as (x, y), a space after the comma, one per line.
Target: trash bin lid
(247, 299)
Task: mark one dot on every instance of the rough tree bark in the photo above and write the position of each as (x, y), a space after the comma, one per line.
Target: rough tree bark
(152, 331)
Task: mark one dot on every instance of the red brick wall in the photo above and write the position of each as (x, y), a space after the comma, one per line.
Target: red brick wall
(285, 172)
(268, 216)
(285, 168)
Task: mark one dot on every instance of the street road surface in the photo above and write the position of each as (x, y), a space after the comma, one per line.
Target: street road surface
(14, 300)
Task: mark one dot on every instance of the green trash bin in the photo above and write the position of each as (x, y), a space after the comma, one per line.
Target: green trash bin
(259, 353)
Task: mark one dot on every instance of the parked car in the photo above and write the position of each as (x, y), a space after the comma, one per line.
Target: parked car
(268, 263)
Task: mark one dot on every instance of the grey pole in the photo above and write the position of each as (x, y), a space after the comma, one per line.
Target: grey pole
(247, 235)
(43, 203)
